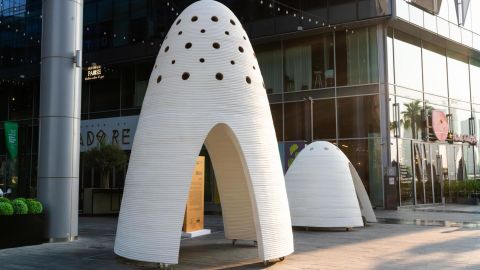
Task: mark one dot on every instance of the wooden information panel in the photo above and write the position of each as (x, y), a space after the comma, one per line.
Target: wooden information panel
(194, 212)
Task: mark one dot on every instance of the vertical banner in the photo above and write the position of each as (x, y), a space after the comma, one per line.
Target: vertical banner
(11, 138)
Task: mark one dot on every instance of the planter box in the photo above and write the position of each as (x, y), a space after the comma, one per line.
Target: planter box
(22, 230)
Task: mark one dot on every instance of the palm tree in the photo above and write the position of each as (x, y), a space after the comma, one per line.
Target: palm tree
(412, 117)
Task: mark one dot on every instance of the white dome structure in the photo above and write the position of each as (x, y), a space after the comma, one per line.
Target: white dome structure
(325, 191)
(205, 88)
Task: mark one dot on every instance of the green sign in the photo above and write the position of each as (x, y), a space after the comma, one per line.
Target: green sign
(11, 138)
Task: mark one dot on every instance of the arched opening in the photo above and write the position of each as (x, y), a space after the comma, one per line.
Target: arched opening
(233, 182)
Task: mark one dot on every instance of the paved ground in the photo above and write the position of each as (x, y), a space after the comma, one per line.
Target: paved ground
(378, 246)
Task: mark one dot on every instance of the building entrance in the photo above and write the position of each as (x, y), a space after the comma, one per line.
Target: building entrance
(435, 166)
(431, 163)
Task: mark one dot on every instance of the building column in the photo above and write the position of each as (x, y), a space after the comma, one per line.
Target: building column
(60, 96)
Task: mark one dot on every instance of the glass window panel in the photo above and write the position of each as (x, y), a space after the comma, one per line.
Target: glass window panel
(270, 61)
(104, 10)
(294, 121)
(359, 117)
(356, 56)
(410, 117)
(416, 16)
(475, 79)
(365, 155)
(458, 77)
(342, 11)
(430, 22)
(391, 70)
(452, 11)
(322, 62)
(298, 68)
(460, 121)
(405, 172)
(434, 70)
(455, 33)
(277, 116)
(105, 94)
(324, 126)
(443, 27)
(475, 9)
(468, 155)
(408, 66)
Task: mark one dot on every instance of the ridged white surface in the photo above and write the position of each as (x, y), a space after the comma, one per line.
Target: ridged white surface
(231, 116)
(321, 190)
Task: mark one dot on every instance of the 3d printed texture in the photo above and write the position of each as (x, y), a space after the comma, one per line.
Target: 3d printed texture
(324, 189)
(206, 87)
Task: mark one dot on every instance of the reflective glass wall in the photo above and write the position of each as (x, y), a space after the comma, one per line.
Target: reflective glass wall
(327, 88)
(423, 78)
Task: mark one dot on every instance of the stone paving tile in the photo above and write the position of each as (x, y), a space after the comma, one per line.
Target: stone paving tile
(378, 246)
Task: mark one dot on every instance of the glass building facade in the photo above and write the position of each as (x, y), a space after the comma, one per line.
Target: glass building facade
(352, 72)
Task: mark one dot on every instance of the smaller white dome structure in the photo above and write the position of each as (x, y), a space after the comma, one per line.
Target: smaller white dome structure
(324, 189)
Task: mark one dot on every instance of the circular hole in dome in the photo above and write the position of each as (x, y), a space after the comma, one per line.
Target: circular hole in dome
(264, 87)
(166, 49)
(244, 38)
(185, 76)
(232, 62)
(240, 49)
(215, 18)
(179, 33)
(155, 66)
(173, 62)
(203, 30)
(216, 45)
(227, 33)
(188, 45)
(254, 68)
(178, 22)
(159, 78)
(202, 60)
(194, 18)
(232, 22)
(219, 76)
(249, 81)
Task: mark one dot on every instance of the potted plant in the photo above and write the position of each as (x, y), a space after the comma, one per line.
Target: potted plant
(105, 157)
(22, 222)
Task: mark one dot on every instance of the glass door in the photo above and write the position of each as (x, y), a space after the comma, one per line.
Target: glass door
(425, 162)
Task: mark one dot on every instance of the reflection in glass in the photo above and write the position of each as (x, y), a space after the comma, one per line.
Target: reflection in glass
(410, 118)
(434, 70)
(458, 77)
(298, 68)
(460, 123)
(294, 121)
(324, 126)
(309, 64)
(365, 155)
(359, 117)
(405, 172)
(277, 116)
(475, 79)
(356, 56)
(270, 62)
(408, 65)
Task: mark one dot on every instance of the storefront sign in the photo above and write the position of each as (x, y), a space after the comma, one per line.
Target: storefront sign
(94, 73)
(471, 139)
(439, 125)
(117, 130)
(11, 138)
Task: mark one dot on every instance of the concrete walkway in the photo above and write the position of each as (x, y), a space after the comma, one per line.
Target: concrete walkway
(378, 246)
